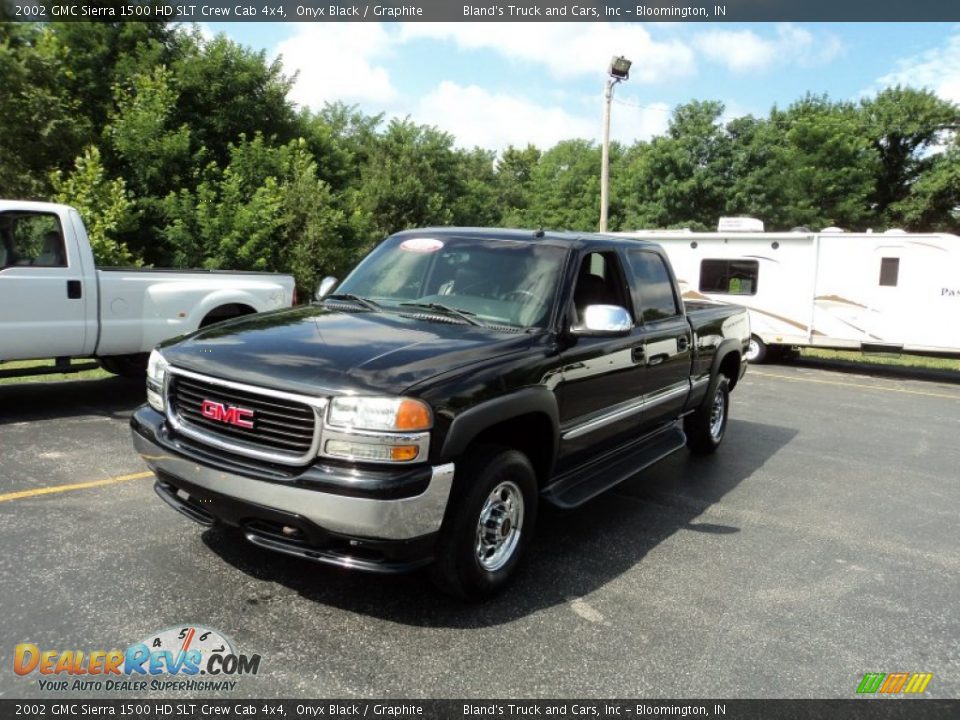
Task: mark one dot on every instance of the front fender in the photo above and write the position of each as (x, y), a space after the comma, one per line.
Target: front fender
(470, 423)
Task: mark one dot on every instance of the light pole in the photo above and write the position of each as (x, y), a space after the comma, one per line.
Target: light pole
(618, 71)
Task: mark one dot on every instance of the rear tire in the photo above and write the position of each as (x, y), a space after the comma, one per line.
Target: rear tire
(488, 524)
(706, 427)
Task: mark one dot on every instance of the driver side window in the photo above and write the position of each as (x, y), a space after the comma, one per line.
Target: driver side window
(599, 282)
(31, 239)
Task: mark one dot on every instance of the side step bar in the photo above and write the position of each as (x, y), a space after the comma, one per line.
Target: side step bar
(585, 483)
(57, 369)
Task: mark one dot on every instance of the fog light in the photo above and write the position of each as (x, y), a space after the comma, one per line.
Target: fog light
(155, 399)
(368, 451)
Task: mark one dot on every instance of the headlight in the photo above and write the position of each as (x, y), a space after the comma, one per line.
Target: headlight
(378, 429)
(379, 413)
(156, 374)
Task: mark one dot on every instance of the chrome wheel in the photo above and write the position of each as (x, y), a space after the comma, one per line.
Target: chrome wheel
(718, 413)
(757, 350)
(498, 530)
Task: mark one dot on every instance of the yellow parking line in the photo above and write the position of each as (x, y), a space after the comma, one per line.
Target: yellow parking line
(884, 388)
(73, 486)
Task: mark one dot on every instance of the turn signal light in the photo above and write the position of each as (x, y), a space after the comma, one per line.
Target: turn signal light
(412, 415)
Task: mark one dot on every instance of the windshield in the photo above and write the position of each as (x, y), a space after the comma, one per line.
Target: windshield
(501, 282)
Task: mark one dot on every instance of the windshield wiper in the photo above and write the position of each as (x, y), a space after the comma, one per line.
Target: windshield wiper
(465, 315)
(350, 297)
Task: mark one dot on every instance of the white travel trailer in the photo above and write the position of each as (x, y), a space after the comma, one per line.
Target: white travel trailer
(875, 292)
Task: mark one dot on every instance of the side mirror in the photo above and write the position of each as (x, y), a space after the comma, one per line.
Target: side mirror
(326, 286)
(603, 321)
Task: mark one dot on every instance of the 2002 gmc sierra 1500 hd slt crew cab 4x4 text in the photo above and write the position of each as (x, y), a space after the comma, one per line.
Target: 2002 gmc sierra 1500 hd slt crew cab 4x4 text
(455, 380)
(55, 304)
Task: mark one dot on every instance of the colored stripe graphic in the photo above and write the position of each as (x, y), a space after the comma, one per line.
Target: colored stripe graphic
(918, 682)
(893, 683)
(871, 682)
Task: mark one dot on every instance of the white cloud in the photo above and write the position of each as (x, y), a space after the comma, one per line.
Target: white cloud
(937, 69)
(745, 50)
(475, 116)
(338, 61)
(567, 49)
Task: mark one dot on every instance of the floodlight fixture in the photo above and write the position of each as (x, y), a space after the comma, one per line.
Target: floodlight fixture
(620, 68)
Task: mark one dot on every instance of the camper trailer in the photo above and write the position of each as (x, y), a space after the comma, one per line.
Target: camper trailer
(875, 292)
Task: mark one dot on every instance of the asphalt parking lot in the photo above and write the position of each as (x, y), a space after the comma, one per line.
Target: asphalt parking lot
(820, 543)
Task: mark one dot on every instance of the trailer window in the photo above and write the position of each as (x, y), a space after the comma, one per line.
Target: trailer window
(889, 271)
(730, 277)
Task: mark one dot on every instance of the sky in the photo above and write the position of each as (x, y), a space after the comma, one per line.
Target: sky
(498, 84)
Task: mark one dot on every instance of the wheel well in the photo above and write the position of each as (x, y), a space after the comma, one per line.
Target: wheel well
(531, 434)
(225, 312)
(730, 366)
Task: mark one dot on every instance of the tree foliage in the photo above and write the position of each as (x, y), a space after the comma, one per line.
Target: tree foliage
(104, 205)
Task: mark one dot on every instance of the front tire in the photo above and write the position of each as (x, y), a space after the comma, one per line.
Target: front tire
(488, 525)
(706, 427)
(128, 366)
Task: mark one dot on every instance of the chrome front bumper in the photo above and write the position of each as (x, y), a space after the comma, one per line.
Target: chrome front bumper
(380, 519)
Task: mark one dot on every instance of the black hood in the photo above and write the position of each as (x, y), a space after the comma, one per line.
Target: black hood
(318, 351)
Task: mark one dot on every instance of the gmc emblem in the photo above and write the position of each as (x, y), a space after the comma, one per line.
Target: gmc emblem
(241, 417)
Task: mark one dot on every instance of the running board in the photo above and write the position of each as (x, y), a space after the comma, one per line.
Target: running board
(585, 483)
(58, 369)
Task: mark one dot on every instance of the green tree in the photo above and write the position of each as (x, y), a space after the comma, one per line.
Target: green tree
(680, 179)
(41, 127)
(154, 154)
(514, 177)
(565, 188)
(103, 55)
(904, 125)
(234, 216)
(317, 235)
(809, 165)
(226, 91)
(410, 178)
(933, 203)
(476, 203)
(103, 204)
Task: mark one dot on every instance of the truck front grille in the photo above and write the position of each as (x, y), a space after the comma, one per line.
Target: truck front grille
(249, 421)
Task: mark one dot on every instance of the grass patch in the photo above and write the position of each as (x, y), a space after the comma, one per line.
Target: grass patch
(909, 361)
(56, 377)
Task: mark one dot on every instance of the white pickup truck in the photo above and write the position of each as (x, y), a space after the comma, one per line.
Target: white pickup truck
(55, 304)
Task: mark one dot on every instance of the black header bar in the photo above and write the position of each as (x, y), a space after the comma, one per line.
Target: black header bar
(175, 709)
(484, 10)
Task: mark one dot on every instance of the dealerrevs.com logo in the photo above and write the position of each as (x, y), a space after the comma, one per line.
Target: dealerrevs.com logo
(187, 658)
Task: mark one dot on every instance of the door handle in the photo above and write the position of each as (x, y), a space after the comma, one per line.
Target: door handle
(74, 290)
(636, 354)
(682, 342)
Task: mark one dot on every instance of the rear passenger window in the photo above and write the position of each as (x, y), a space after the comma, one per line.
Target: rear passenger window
(652, 287)
(730, 277)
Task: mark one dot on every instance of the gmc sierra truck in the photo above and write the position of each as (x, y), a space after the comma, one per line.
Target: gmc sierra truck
(55, 304)
(454, 381)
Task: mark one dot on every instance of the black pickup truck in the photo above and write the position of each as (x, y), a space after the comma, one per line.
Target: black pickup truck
(454, 381)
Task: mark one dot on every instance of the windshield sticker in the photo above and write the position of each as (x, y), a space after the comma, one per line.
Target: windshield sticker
(421, 245)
